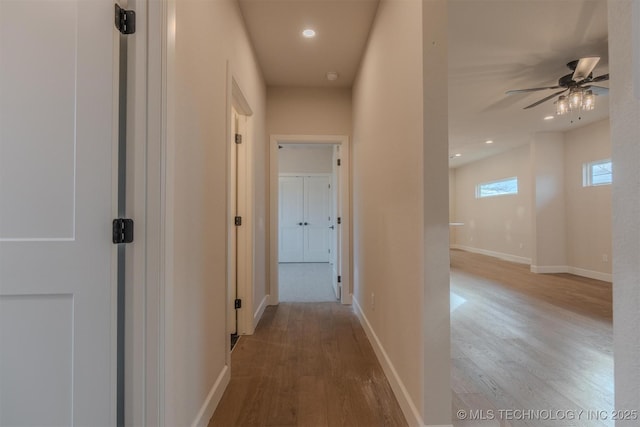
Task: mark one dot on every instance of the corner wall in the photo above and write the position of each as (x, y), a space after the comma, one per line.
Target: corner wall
(400, 296)
(624, 56)
(209, 37)
(588, 208)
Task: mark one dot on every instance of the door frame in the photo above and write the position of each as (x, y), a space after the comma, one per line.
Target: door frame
(344, 210)
(242, 248)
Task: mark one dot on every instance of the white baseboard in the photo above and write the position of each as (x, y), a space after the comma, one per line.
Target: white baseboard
(605, 277)
(260, 311)
(213, 398)
(501, 255)
(549, 269)
(409, 409)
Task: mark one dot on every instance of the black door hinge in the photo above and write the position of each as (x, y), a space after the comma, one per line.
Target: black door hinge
(339, 279)
(238, 138)
(237, 220)
(339, 162)
(339, 220)
(122, 230)
(237, 303)
(125, 20)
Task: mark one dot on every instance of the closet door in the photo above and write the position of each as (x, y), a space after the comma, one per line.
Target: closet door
(316, 218)
(291, 219)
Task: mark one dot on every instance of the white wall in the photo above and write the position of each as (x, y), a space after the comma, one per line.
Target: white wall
(308, 111)
(402, 300)
(501, 225)
(312, 159)
(548, 217)
(624, 59)
(563, 226)
(209, 36)
(588, 208)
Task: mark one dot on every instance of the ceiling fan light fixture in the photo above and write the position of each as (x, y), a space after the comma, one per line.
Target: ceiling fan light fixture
(588, 101)
(562, 105)
(575, 99)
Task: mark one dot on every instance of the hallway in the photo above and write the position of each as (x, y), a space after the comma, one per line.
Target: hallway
(308, 364)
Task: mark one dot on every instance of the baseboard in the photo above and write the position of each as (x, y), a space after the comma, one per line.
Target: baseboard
(213, 398)
(549, 269)
(260, 311)
(501, 255)
(605, 277)
(409, 409)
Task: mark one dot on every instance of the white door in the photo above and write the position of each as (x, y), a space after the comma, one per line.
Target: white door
(304, 211)
(57, 201)
(316, 218)
(291, 219)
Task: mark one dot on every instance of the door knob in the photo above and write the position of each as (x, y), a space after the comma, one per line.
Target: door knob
(331, 227)
(306, 223)
(299, 223)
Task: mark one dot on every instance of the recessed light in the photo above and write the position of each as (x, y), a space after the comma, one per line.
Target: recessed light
(488, 141)
(549, 117)
(458, 155)
(308, 33)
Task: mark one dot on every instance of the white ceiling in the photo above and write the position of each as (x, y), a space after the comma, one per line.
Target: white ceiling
(494, 46)
(287, 59)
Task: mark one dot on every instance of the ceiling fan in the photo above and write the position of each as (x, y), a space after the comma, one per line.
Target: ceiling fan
(579, 83)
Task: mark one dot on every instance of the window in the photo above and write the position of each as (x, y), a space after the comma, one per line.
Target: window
(597, 173)
(497, 188)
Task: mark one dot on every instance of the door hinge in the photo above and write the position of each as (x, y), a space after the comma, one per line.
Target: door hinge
(237, 220)
(125, 20)
(238, 138)
(339, 162)
(339, 220)
(339, 279)
(237, 303)
(122, 230)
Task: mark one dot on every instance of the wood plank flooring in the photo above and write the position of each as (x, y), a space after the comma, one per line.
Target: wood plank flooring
(308, 364)
(526, 342)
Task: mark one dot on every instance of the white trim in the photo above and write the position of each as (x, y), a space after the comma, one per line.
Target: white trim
(503, 256)
(245, 237)
(260, 311)
(344, 210)
(409, 409)
(605, 277)
(166, 372)
(213, 398)
(549, 269)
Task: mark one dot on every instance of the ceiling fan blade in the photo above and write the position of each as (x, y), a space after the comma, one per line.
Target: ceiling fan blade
(585, 67)
(601, 78)
(545, 99)
(533, 89)
(598, 90)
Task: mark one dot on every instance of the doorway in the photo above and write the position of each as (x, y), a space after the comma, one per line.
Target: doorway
(239, 223)
(310, 251)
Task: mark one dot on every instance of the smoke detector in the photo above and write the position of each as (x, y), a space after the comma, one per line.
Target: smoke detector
(332, 76)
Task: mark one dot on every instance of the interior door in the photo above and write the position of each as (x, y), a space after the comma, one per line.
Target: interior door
(58, 93)
(291, 219)
(333, 228)
(316, 218)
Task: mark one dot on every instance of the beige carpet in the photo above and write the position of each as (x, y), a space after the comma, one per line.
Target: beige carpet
(306, 282)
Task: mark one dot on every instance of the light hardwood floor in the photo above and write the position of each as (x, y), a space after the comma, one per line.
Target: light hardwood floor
(308, 364)
(520, 342)
(524, 341)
